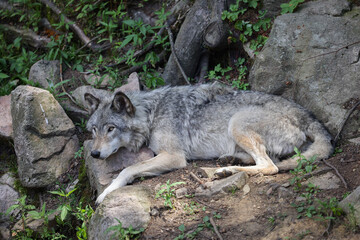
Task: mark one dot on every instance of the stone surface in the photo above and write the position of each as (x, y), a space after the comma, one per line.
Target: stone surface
(102, 172)
(226, 185)
(326, 181)
(351, 205)
(46, 73)
(6, 130)
(181, 192)
(8, 198)
(8, 179)
(129, 204)
(44, 136)
(132, 84)
(272, 7)
(295, 62)
(207, 172)
(37, 225)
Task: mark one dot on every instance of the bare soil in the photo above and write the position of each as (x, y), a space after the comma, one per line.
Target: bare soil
(262, 213)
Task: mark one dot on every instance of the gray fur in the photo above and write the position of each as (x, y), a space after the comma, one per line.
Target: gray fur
(206, 122)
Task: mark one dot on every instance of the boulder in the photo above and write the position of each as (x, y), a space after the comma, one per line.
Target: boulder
(326, 181)
(102, 172)
(272, 7)
(6, 130)
(351, 206)
(8, 197)
(44, 136)
(129, 204)
(306, 60)
(46, 73)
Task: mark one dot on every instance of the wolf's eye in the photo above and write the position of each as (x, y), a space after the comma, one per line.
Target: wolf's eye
(110, 129)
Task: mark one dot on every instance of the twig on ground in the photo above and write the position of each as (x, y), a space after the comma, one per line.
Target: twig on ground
(215, 228)
(335, 51)
(74, 27)
(337, 172)
(66, 93)
(86, 44)
(171, 39)
(198, 180)
(326, 233)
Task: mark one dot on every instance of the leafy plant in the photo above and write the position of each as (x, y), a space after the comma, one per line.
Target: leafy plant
(290, 6)
(23, 208)
(79, 153)
(65, 207)
(119, 232)
(84, 215)
(304, 166)
(167, 193)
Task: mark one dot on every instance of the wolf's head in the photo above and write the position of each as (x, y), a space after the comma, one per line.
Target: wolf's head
(109, 123)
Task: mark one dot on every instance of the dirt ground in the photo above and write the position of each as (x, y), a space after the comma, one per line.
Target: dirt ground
(262, 213)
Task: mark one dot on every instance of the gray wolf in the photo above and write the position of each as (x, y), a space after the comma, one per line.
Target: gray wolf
(203, 122)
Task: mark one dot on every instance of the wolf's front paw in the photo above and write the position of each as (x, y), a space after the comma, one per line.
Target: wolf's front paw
(100, 198)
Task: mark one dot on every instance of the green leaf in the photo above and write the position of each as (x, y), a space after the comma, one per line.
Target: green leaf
(64, 212)
(3, 75)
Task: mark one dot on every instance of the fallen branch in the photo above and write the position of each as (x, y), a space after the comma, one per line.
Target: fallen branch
(74, 27)
(171, 40)
(215, 228)
(198, 180)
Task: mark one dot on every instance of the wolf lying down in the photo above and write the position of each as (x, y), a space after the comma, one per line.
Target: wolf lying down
(203, 122)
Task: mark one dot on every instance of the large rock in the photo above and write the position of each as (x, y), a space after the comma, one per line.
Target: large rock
(46, 73)
(351, 206)
(303, 60)
(129, 204)
(44, 136)
(8, 197)
(102, 172)
(6, 130)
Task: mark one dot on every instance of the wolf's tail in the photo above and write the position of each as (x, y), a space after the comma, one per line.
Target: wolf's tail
(321, 146)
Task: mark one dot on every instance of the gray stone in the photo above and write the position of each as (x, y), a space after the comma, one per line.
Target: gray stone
(132, 85)
(207, 172)
(37, 225)
(272, 7)
(351, 205)
(355, 140)
(294, 62)
(8, 179)
(129, 204)
(181, 192)
(6, 130)
(102, 172)
(8, 198)
(46, 73)
(326, 7)
(223, 186)
(326, 181)
(44, 136)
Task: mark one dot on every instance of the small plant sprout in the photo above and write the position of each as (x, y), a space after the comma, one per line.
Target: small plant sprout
(167, 192)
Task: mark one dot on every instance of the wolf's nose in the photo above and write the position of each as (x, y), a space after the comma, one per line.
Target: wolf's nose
(95, 154)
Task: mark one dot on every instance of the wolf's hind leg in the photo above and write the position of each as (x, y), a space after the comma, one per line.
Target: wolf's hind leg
(251, 142)
(161, 163)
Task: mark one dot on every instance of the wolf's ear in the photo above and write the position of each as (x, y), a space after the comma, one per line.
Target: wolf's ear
(92, 102)
(122, 103)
